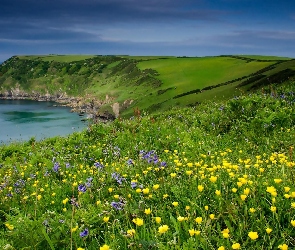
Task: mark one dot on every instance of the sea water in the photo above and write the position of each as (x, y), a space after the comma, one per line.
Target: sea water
(21, 120)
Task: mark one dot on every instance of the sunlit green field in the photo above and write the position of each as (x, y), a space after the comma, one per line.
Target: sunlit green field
(216, 176)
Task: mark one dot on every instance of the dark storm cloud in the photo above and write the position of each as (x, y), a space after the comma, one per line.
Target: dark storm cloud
(64, 19)
(103, 11)
(146, 27)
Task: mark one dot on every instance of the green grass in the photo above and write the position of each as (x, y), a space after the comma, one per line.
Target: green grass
(58, 58)
(203, 178)
(258, 57)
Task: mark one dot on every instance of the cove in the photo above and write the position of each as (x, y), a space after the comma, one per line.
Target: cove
(21, 120)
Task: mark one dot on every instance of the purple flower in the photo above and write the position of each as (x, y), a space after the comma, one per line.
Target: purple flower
(68, 165)
(118, 178)
(84, 233)
(117, 205)
(163, 164)
(98, 165)
(82, 188)
(129, 162)
(133, 184)
(74, 202)
(56, 167)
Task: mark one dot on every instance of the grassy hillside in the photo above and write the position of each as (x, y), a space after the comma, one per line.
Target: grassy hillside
(149, 83)
(219, 175)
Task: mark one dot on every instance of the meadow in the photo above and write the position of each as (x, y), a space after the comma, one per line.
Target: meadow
(219, 175)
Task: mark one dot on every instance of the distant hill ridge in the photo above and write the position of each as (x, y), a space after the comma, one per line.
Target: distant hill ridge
(117, 84)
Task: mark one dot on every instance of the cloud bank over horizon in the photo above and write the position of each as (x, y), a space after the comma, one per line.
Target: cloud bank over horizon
(137, 27)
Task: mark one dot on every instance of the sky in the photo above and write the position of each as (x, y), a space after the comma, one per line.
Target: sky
(147, 27)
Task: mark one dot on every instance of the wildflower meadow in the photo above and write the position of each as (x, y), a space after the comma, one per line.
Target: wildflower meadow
(216, 176)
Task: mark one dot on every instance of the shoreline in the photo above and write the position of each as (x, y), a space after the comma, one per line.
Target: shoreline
(77, 104)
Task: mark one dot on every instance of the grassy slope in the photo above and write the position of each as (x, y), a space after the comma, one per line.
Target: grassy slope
(153, 82)
(245, 143)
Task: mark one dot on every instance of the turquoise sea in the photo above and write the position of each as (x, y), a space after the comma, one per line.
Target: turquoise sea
(23, 119)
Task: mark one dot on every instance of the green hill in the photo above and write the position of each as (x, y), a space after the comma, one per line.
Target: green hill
(148, 83)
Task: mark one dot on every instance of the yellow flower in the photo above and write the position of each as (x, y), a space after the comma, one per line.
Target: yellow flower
(193, 232)
(283, 247)
(131, 232)
(138, 190)
(146, 190)
(180, 218)
(273, 208)
(189, 172)
(199, 220)
(253, 235)
(110, 190)
(234, 190)
(200, 188)
(104, 247)
(39, 197)
(287, 189)
(268, 230)
(225, 235)
(138, 221)
(163, 229)
(239, 184)
(156, 186)
(293, 223)
(278, 181)
(165, 196)
(158, 219)
(65, 201)
(226, 230)
(105, 219)
(218, 192)
(116, 196)
(206, 208)
(213, 178)
(74, 229)
(221, 248)
(147, 211)
(293, 204)
(243, 197)
(211, 216)
(175, 203)
(252, 210)
(246, 191)
(271, 189)
(187, 208)
(173, 175)
(236, 246)
(9, 226)
(80, 248)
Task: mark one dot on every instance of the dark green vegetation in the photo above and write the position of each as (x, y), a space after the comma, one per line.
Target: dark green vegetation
(215, 174)
(147, 83)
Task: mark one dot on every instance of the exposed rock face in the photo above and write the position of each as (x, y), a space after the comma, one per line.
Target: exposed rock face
(116, 109)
